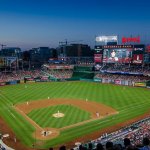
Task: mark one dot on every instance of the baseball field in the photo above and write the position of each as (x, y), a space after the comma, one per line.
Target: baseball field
(54, 113)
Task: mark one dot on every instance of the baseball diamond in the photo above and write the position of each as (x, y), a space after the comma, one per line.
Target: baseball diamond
(88, 108)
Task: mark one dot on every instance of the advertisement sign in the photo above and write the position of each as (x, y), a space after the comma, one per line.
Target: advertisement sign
(28, 78)
(98, 48)
(97, 58)
(126, 82)
(60, 66)
(13, 82)
(148, 49)
(109, 80)
(2, 83)
(140, 84)
(106, 39)
(122, 82)
(97, 79)
(44, 78)
(137, 58)
(104, 80)
(118, 82)
(130, 40)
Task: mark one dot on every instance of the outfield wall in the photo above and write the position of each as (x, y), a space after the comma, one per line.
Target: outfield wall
(10, 82)
(112, 81)
(100, 80)
(122, 82)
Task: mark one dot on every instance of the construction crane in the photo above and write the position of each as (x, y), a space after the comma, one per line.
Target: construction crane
(63, 43)
(2, 45)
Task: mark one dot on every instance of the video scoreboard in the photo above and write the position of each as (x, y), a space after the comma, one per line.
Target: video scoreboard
(119, 54)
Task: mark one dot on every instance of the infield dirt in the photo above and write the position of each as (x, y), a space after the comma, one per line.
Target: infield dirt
(92, 107)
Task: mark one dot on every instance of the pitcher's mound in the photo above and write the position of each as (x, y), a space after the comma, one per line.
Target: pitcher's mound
(58, 115)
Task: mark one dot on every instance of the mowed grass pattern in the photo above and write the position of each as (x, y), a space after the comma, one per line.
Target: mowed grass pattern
(44, 116)
(129, 102)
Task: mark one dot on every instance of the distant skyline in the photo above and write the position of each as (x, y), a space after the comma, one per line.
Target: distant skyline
(33, 23)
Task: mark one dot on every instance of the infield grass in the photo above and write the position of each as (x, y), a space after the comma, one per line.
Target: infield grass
(44, 116)
(129, 102)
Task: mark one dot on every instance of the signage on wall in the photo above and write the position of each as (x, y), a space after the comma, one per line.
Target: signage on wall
(106, 39)
(148, 48)
(130, 40)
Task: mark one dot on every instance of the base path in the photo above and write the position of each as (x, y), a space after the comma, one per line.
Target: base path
(97, 111)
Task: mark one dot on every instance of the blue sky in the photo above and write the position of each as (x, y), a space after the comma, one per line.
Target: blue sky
(34, 23)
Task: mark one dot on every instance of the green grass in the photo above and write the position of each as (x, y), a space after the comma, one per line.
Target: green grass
(129, 102)
(44, 116)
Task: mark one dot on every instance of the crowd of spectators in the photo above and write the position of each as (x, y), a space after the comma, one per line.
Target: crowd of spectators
(19, 75)
(127, 68)
(64, 71)
(60, 74)
(58, 71)
(133, 137)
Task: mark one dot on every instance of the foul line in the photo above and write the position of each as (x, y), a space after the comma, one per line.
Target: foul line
(29, 119)
(11, 113)
(86, 121)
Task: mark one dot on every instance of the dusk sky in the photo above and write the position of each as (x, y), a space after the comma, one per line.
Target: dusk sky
(34, 23)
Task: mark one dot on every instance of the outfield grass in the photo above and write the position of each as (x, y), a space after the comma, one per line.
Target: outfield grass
(44, 116)
(129, 102)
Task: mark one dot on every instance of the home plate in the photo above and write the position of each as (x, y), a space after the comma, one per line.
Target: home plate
(46, 133)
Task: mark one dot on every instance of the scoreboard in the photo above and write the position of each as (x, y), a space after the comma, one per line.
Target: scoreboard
(119, 54)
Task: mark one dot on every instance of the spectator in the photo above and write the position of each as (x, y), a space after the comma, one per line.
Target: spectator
(146, 144)
(127, 142)
(90, 146)
(99, 146)
(117, 147)
(62, 148)
(109, 145)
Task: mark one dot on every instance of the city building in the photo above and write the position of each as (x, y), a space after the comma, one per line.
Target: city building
(11, 52)
(75, 53)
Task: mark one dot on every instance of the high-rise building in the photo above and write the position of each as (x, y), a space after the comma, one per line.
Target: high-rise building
(39, 56)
